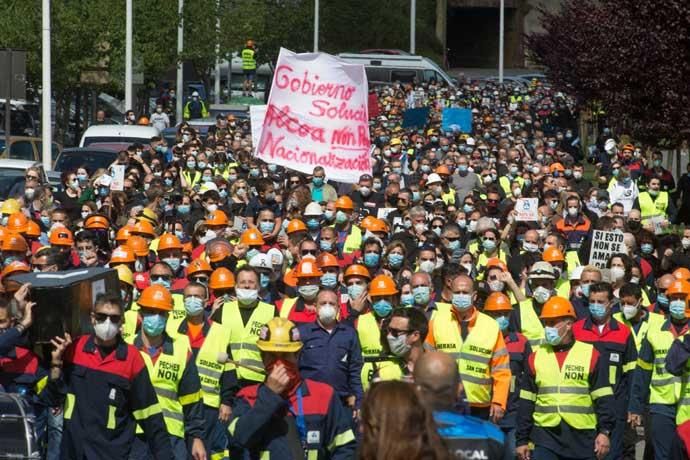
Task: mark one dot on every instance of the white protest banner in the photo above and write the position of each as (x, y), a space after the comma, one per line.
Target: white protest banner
(382, 213)
(604, 245)
(118, 183)
(257, 113)
(527, 209)
(317, 116)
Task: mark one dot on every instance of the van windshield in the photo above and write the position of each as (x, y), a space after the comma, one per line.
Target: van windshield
(116, 140)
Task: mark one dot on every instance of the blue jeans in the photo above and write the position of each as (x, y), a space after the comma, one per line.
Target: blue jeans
(509, 443)
(215, 435)
(54, 433)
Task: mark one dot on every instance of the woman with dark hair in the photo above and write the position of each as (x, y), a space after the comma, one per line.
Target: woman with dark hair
(69, 196)
(620, 271)
(396, 425)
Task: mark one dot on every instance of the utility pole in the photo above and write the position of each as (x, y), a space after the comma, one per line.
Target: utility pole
(128, 57)
(316, 26)
(180, 42)
(216, 83)
(46, 109)
(413, 25)
(501, 41)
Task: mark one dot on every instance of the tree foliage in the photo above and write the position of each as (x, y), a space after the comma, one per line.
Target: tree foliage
(633, 56)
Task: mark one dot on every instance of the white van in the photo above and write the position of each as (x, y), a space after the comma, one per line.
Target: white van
(118, 134)
(390, 68)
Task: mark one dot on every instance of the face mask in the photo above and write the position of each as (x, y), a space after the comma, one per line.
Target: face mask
(647, 248)
(577, 175)
(174, 263)
(427, 266)
(254, 172)
(662, 300)
(365, 191)
(462, 302)
(354, 291)
(327, 313)
(153, 325)
(371, 259)
(422, 295)
(597, 310)
(317, 181)
(468, 208)
(246, 297)
(308, 292)
(45, 220)
(251, 253)
(530, 247)
(489, 245)
(617, 274)
(541, 294)
(329, 280)
(395, 260)
(313, 224)
(382, 308)
(266, 227)
(552, 336)
(553, 205)
(183, 209)
(264, 280)
(326, 245)
(502, 322)
(193, 305)
(162, 282)
(106, 330)
(472, 227)
(328, 215)
(573, 211)
(630, 311)
(496, 286)
(677, 309)
(407, 300)
(453, 245)
(341, 217)
(398, 345)
(686, 243)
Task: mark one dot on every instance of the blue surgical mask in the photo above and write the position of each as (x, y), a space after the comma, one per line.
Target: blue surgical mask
(395, 260)
(313, 223)
(453, 245)
(462, 301)
(502, 322)
(597, 310)
(329, 280)
(489, 245)
(183, 209)
(328, 215)
(251, 253)
(308, 292)
(154, 325)
(422, 295)
(468, 208)
(415, 196)
(585, 289)
(371, 259)
(193, 305)
(552, 335)
(340, 217)
(382, 308)
(677, 309)
(45, 220)
(267, 227)
(647, 248)
(180, 235)
(326, 245)
(264, 280)
(174, 263)
(317, 181)
(354, 291)
(407, 300)
(168, 182)
(662, 300)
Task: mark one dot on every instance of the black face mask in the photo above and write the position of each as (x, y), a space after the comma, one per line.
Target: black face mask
(634, 225)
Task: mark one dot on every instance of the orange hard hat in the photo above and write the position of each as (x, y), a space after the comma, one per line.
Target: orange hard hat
(143, 121)
(628, 147)
(156, 297)
(3, 232)
(221, 278)
(218, 250)
(217, 217)
(122, 255)
(123, 234)
(139, 245)
(169, 241)
(344, 202)
(443, 170)
(16, 222)
(495, 262)
(97, 222)
(357, 270)
(252, 237)
(382, 285)
(295, 225)
(553, 254)
(144, 227)
(366, 222)
(557, 307)
(198, 266)
(32, 229)
(15, 267)
(61, 236)
(682, 273)
(187, 247)
(378, 225)
(497, 301)
(307, 269)
(556, 167)
(326, 259)
(678, 287)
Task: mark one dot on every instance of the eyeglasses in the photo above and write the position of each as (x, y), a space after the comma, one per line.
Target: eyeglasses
(397, 332)
(161, 277)
(101, 317)
(294, 182)
(452, 238)
(306, 252)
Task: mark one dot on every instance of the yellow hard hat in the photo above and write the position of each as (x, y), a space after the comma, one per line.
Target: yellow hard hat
(10, 206)
(125, 274)
(280, 335)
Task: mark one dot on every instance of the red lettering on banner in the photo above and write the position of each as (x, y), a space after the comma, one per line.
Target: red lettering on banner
(285, 79)
(341, 112)
(281, 118)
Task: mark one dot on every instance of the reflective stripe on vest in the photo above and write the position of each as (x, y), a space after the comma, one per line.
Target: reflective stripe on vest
(248, 61)
(530, 324)
(210, 370)
(564, 393)
(288, 305)
(165, 376)
(644, 327)
(664, 388)
(191, 181)
(243, 338)
(129, 326)
(370, 341)
(353, 242)
(653, 208)
(380, 371)
(473, 355)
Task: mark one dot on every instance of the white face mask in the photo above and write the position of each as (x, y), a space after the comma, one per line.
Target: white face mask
(106, 330)
(327, 314)
(686, 243)
(630, 311)
(427, 266)
(617, 273)
(246, 296)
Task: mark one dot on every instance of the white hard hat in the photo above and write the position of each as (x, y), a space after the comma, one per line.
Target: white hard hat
(313, 209)
(470, 141)
(261, 261)
(195, 94)
(276, 256)
(609, 145)
(434, 179)
(206, 186)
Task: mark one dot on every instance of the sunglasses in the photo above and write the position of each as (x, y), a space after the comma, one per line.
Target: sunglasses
(397, 332)
(101, 317)
(294, 182)
(306, 252)
(200, 279)
(161, 277)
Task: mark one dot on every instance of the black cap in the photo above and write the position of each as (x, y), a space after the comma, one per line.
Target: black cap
(365, 177)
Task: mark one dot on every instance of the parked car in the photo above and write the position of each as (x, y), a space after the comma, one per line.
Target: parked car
(118, 133)
(88, 157)
(12, 172)
(386, 68)
(26, 148)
